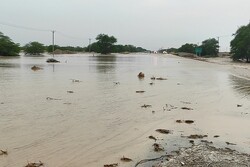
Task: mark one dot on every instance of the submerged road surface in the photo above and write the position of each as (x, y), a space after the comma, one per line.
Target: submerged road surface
(85, 110)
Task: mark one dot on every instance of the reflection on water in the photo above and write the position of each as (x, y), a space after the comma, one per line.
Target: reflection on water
(29, 55)
(7, 65)
(9, 62)
(104, 63)
(103, 58)
(241, 85)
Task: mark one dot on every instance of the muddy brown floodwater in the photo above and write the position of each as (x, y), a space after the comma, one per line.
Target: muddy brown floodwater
(84, 111)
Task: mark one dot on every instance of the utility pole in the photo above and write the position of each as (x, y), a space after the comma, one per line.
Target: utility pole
(53, 42)
(218, 42)
(89, 44)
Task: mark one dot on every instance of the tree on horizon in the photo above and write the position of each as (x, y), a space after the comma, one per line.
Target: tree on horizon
(105, 43)
(7, 47)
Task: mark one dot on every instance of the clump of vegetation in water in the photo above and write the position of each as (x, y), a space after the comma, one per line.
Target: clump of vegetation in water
(106, 44)
(34, 48)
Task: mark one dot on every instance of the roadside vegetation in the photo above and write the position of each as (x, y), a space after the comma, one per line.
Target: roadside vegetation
(7, 47)
(240, 45)
(209, 48)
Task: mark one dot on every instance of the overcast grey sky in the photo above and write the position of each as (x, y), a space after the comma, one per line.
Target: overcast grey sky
(151, 24)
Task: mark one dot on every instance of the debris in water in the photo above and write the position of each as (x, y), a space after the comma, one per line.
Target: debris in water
(186, 108)
(186, 121)
(196, 136)
(51, 60)
(111, 165)
(152, 137)
(75, 80)
(140, 91)
(191, 141)
(239, 105)
(215, 136)
(35, 164)
(141, 75)
(70, 91)
(2, 152)
(228, 143)
(207, 142)
(160, 78)
(153, 159)
(146, 106)
(164, 131)
(229, 149)
(157, 147)
(151, 83)
(189, 121)
(35, 68)
(125, 159)
(50, 98)
(179, 121)
(170, 107)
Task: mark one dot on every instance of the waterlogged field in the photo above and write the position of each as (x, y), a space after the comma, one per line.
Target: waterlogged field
(85, 111)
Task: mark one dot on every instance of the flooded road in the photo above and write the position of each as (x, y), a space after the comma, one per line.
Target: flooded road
(46, 116)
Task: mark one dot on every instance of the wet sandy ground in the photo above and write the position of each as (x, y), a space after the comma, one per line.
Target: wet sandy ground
(237, 68)
(102, 121)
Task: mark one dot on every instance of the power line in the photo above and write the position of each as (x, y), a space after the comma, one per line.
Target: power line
(24, 27)
(44, 30)
(39, 29)
(68, 36)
